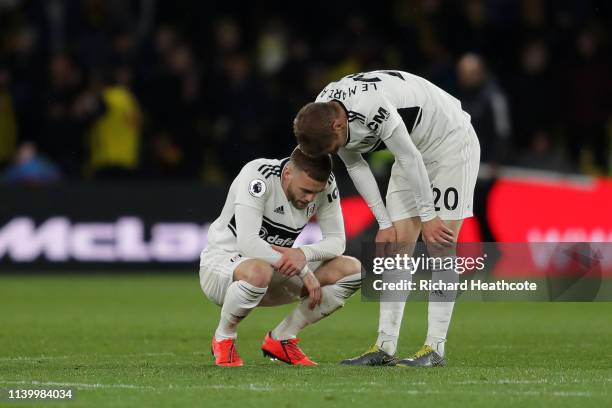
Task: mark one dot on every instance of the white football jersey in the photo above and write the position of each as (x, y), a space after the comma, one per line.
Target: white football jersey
(376, 102)
(258, 185)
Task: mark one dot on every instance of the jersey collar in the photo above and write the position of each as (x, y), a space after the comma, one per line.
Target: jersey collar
(348, 128)
(283, 163)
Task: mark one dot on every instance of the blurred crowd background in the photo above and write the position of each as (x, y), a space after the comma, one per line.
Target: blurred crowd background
(153, 89)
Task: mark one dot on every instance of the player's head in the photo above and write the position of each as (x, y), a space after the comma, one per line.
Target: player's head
(471, 71)
(320, 128)
(304, 177)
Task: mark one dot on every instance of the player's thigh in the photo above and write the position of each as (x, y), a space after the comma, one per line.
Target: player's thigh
(331, 271)
(453, 177)
(216, 273)
(401, 202)
(454, 180)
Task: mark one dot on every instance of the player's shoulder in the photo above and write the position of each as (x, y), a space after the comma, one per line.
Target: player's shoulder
(330, 194)
(260, 177)
(330, 185)
(356, 94)
(331, 181)
(344, 89)
(266, 168)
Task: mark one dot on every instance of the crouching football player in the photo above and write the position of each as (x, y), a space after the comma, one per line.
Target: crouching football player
(250, 262)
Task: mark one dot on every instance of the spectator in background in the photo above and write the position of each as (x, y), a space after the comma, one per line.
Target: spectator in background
(189, 63)
(482, 98)
(173, 97)
(29, 73)
(543, 154)
(60, 137)
(533, 95)
(8, 123)
(474, 29)
(227, 41)
(31, 168)
(272, 51)
(588, 97)
(114, 136)
(241, 122)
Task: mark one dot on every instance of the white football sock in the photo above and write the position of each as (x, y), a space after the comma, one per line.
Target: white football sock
(241, 297)
(333, 298)
(387, 342)
(440, 310)
(392, 304)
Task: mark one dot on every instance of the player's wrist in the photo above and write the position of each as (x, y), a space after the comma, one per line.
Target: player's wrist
(306, 253)
(385, 225)
(384, 220)
(382, 215)
(428, 216)
(304, 272)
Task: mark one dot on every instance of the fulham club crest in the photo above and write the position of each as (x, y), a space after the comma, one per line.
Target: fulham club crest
(310, 210)
(257, 188)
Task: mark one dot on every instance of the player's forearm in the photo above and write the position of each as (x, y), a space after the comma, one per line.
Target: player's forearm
(410, 161)
(251, 246)
(327, 248)
(366, 185)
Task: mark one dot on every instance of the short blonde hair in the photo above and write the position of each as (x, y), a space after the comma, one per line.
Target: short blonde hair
(313, 127)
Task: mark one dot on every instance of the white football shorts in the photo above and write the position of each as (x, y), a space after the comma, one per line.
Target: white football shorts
(452, 170)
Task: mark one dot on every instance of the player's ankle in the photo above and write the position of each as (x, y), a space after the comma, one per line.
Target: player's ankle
(280, 335)
(437, 344)
(387, 343)
(221, 335)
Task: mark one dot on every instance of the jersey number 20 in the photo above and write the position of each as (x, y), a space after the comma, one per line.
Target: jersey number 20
(451, 198)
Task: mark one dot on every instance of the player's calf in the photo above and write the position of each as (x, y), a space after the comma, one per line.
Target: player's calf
(340, 278)
(250, 284)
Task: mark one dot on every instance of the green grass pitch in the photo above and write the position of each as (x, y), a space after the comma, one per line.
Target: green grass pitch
(143, 340)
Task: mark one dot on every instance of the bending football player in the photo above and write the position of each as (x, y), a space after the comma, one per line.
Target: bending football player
(250, 262)
(431, 189)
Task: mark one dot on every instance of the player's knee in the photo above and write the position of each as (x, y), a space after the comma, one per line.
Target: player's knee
(349, 266)
(349, 279)
(408, 231)
(437, 251)
(259, 274)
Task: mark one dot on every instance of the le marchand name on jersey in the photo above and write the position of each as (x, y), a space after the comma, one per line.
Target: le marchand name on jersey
(272, 232)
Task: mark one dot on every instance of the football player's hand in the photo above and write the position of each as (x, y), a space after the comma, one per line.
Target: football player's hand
(386, 240)
(312, 285)
(436, 232)
(292, 262)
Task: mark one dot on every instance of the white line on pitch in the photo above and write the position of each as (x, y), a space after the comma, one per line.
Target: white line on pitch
(267, 388)
(79, 385)
(38, 358)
